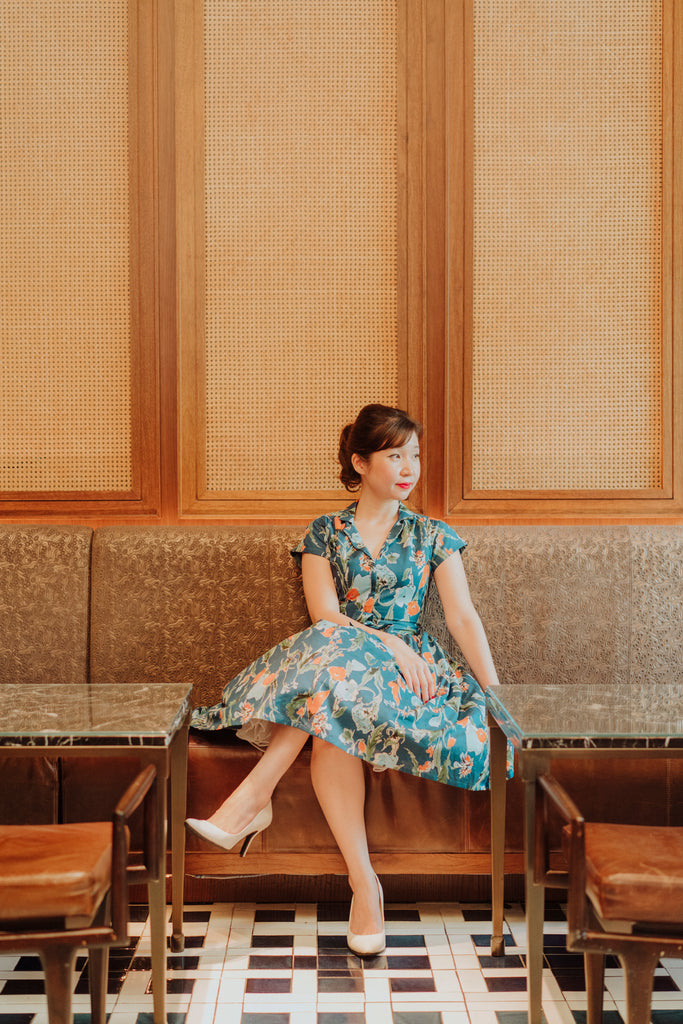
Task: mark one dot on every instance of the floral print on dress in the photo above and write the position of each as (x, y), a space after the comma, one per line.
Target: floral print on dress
(343, 685)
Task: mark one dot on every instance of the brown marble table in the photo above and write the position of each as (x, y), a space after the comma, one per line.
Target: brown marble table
(149, 721)
(579, 720)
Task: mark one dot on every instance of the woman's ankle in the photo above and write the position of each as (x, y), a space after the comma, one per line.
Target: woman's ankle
(364, 884)
(367, 917)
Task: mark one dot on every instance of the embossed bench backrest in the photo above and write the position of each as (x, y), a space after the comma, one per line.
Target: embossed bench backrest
(576, 603)
(44, 603)
(198, 603)
(190, 603)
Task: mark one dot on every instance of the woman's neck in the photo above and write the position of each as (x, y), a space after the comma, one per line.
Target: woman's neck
(374, 521)
(373, 510)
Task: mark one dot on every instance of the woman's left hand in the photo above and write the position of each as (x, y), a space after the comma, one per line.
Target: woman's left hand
(418, 676)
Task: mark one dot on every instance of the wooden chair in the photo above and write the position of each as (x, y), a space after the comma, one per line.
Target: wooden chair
(65, 888)
(625, 895)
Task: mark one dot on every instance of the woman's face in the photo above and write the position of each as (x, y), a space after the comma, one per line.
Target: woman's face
(392, 473)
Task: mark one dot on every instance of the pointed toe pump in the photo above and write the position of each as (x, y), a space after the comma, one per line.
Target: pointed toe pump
(226, 840)
(367, 945)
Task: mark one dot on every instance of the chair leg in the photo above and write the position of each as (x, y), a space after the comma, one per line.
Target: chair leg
(58, 965)
(98, 962)
(639, 968)
(594, 968)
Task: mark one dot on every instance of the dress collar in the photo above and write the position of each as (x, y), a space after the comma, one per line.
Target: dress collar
(344, 521)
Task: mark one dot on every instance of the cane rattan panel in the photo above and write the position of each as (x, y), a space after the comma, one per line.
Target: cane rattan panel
(300, 304)
(567, 245)
(65, 317)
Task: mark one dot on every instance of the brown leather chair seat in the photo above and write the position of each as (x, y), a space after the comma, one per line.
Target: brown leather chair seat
(634, 872)
(54, 871)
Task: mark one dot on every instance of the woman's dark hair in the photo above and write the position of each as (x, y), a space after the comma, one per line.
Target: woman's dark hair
(376, 427)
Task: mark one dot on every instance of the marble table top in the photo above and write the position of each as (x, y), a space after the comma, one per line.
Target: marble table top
(611, 715)
(57, 715)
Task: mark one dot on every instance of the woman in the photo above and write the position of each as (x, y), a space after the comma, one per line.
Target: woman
(363, 680)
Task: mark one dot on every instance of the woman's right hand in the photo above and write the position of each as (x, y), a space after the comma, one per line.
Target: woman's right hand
(417, 674)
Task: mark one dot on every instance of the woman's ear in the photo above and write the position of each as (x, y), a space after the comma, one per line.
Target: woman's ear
(358, 463)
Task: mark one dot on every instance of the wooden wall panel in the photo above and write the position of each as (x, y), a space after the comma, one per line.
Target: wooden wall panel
(77, 295)
(567, 249)
(292, 221)
(564, 359)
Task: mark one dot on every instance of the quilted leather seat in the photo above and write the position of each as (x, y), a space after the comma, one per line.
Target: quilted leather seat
(635, 873)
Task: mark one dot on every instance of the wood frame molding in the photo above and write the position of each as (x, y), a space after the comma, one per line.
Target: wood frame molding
(143, 499)
(461, 501)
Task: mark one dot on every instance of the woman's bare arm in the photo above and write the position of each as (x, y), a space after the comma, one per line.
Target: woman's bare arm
(462, 620)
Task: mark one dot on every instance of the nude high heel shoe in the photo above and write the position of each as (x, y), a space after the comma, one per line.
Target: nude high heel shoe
(367, 945)
(226, 840)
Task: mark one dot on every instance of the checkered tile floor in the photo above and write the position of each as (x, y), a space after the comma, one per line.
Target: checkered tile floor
(248, 963)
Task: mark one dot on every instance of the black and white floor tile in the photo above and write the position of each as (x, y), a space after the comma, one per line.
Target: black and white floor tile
(247, 963)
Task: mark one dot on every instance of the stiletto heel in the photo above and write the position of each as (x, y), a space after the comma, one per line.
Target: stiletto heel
(367, 945)
(226, 840)
(247, 843)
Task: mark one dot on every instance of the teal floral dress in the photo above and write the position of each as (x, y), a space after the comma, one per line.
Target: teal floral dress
(343, 684)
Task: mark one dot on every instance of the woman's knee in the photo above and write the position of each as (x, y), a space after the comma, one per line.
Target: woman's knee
(324, 752)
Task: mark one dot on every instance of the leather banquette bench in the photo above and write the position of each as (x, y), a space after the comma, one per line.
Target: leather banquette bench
(127, 604)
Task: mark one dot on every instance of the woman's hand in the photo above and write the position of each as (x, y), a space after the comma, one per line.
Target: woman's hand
(416, 672)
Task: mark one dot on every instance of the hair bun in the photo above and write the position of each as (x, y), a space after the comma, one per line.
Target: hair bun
(348, 475)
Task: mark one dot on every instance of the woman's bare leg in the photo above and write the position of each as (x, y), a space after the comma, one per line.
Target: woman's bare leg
(254, 792)
(339, 784)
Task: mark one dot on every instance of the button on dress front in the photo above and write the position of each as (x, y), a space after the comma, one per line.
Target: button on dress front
(343, 685)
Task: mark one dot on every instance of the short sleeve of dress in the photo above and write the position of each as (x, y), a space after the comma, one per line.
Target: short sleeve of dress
(314, 541)
(446, 543)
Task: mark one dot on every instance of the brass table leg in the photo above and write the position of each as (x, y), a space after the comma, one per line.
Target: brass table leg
(178, 808)
(535, 899)
(498, 794)
(157, 908)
